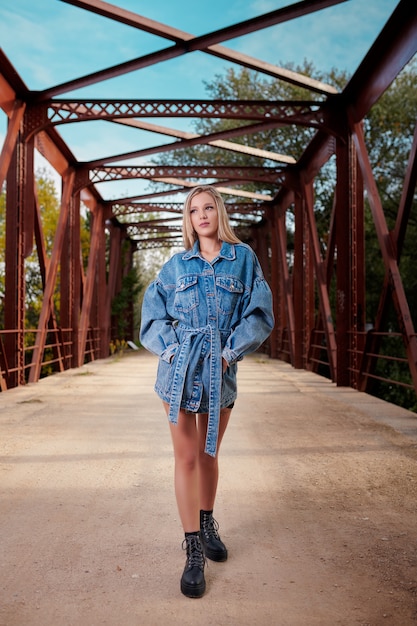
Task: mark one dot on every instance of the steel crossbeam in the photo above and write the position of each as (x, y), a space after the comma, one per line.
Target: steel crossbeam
(60, 111)
(244, 174)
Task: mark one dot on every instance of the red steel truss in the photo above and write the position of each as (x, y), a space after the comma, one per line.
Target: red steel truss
(308, 334)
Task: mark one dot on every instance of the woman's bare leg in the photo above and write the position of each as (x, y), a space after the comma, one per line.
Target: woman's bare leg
(208, 465)
(185, 442)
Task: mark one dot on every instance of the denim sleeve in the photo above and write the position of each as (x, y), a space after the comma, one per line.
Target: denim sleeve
(157, 333)
(255, 324)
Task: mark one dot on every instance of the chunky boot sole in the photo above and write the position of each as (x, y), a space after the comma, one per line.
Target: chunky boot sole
(193, 591)
(214, 555)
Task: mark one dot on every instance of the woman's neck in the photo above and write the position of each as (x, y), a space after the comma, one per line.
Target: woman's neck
(209, 248)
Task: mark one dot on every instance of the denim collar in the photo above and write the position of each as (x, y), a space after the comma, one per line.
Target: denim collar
(227, 251)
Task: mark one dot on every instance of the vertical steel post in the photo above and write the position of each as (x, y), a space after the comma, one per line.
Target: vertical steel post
(70, 283)
(287, 285)
(15, 291)
(298, 282)
(275, 282)
(344, 236)
(350, 266)
(323, 294)
(114, 269)
(103, 321)
(51, 277)
(87, 304)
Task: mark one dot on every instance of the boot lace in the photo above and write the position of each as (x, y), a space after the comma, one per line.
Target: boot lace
(210, 527)
(195, 555)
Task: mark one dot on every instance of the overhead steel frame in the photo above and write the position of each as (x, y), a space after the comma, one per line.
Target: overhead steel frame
(304, 335)
(350, 352)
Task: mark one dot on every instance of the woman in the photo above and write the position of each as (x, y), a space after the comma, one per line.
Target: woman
(208, 307)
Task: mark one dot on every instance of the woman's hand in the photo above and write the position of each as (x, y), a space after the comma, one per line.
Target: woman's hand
(225, 365)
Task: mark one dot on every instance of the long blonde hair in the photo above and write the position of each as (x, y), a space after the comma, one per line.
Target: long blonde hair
(225, 231)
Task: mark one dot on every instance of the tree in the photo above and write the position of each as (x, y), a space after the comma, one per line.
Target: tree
(49, 205)
(389, 129)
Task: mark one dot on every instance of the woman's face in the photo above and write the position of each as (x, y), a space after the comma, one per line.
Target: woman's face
(203, 215)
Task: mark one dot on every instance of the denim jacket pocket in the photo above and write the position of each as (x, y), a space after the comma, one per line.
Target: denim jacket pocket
(164, 379)
(229, 289)
(186, 294)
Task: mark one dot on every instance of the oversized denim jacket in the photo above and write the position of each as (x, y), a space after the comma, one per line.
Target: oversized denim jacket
(197, 312)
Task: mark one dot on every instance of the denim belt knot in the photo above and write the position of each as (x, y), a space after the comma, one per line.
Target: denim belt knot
(193, 339)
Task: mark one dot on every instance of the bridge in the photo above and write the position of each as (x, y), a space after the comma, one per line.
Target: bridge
(316, 503)
(319, 292)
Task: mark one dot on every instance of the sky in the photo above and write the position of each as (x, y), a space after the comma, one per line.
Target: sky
(50, 42)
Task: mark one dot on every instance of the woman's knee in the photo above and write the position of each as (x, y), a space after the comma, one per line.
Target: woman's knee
(186, 460)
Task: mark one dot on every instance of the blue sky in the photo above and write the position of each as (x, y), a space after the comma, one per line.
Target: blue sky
(50, 42)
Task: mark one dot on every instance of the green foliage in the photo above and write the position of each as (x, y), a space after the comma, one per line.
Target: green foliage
(49, 206)
(389, 130)
(122, 304)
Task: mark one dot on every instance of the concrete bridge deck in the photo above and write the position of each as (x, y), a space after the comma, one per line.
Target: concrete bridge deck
(317, 504)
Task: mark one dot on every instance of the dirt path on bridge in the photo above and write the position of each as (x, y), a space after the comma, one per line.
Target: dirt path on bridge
(317, 504)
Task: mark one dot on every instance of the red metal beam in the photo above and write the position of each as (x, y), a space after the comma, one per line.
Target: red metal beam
(161, 30)
(287, 292)
(154, 172)
(196, 43)
(51, 280)
(397, 239)
(186, 143)
(388, 254)
(90, 282)
(11, 138)
(393, 49)
(319, 266)
(407, 198)
(259, 22)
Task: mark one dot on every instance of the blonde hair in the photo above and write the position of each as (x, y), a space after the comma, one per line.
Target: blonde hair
(225, 231)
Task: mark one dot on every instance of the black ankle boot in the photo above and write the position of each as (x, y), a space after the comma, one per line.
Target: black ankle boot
(213, 546)
(193, 584)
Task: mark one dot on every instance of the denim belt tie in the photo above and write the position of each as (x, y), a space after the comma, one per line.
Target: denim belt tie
(194, 336)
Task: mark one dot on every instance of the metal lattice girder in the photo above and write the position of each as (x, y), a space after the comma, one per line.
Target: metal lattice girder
(162, 226)
(119, 208)
(242, 174)
(152, 243)
(302, 113)
(137, 229)
(242, 208)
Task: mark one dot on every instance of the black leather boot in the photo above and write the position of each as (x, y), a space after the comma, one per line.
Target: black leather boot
(213, 546)
(193, 584)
